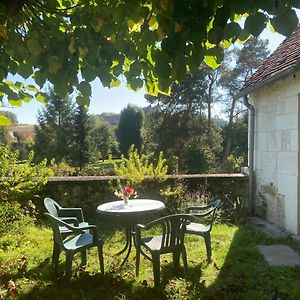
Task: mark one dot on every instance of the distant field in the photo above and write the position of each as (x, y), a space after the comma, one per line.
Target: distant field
(23, 129)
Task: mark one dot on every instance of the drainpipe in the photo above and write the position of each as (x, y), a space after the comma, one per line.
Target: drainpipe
(251, 199)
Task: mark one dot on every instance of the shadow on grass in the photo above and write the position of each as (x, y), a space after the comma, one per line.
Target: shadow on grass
(244, 273)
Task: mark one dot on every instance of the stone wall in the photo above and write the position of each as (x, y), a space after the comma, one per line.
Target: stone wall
(90, 191)
(277, 150)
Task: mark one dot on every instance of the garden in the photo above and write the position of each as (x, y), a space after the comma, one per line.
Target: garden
(237, 270)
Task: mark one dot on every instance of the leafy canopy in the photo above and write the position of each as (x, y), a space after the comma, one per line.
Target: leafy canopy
(152, 43)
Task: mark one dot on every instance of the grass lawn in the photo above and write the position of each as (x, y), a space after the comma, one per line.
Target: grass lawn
(236, 272)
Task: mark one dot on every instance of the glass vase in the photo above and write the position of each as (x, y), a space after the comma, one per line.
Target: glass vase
(125, 200)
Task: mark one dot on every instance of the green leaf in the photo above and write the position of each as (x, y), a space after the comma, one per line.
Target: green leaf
(25, 97)
(232, 31)
(4, 121)
(136, 83)
(25, 70)
(31, 88)
(214, 57)
(85, 88)
(83, 101)
(53, 64)
(215, 35)
(39, 78)
(162, 68)
(15, 102)
(256, 23)
(179, 64)
(164, 86)
(286, 22)
(244, 36)
(115, 83)
(41, 97)
(33, 47)
(13, 67)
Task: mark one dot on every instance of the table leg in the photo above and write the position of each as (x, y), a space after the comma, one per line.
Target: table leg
(130, 240)
(128, 246)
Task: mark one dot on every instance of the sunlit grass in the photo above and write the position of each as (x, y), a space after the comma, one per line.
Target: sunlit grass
(236, 272)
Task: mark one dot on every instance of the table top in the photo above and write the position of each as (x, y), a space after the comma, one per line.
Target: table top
(134, 206)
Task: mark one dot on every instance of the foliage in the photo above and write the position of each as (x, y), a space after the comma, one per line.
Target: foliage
(151, 43)
(11, 116)
(129, 129)
(232, 164)
(82, 151)
(20, 184)
(104, 141)
(137, 168)
(240, 66)
(5, 139)
(63, 169)
(54, 133)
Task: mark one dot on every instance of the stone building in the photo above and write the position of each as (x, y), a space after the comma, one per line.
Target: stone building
(273, 96)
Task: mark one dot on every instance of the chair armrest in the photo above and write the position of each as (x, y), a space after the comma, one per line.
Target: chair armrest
(77, 229)
(191, 208)
(70, 220)
(71, 212)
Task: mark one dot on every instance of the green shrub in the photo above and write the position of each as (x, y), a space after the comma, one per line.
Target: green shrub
(20, 184)
(142, 171)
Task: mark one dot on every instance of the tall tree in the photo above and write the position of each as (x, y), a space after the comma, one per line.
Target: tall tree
(104, 141)
(5, 139)
(152, 43)
(129, 129)
(82, 151)
(244, 62)
(54, 132)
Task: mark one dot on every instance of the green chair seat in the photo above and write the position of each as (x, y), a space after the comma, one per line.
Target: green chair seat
(79, 239)
(170, 240)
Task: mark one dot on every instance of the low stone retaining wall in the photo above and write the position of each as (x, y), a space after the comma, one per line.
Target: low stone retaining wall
(90, 191)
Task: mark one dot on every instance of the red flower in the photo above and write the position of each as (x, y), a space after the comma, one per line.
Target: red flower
(129, 190)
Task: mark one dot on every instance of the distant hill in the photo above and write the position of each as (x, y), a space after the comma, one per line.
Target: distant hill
(111, 118)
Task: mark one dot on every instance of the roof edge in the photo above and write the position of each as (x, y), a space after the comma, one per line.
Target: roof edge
(268, 80)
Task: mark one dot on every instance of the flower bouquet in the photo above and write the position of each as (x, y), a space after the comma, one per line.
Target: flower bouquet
(125, 193)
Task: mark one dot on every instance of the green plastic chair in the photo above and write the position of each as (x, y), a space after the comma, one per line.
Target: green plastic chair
(208, 211)
(170, 240)
(78, 240)
(72, 216)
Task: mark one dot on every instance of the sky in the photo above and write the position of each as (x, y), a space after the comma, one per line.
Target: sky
(115, 99)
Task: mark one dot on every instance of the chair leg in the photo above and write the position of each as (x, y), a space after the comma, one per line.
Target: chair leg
(69, 258)
(101, 260)
(176, 257)
(208, 246)
(55, 257)
(83, 258)
(137, 260)
(185, 265)
(156, 269)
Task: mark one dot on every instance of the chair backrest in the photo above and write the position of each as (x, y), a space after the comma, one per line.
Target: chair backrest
(212, 209)
(52, 206)
(173, 228)
(55, 223)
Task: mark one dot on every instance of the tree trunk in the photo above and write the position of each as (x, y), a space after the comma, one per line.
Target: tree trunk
(228, 138)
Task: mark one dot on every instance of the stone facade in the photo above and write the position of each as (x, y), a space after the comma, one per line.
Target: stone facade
(276, 162)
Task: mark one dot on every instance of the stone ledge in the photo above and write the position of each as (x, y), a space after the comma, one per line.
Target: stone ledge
(105, 178)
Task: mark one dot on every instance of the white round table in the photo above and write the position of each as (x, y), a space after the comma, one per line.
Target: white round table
(134, 209)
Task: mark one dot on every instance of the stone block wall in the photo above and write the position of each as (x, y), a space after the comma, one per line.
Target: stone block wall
(90, 191)
(277, 149)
